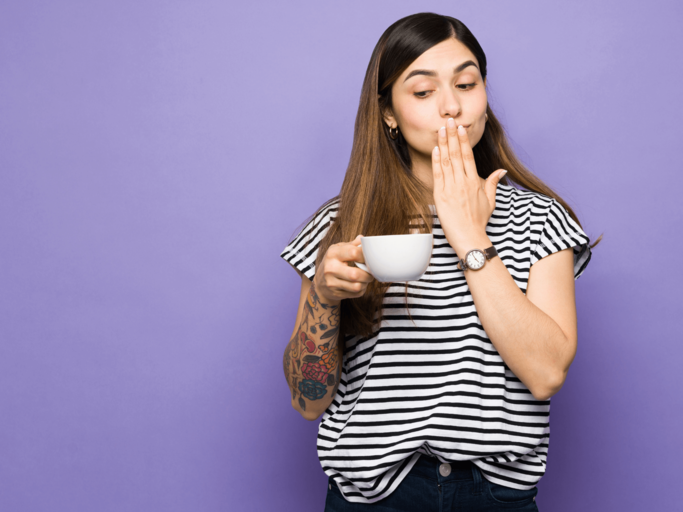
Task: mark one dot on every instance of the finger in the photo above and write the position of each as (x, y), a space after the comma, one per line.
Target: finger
(341, 286)
(338, 276)
(351, 274)
(361, 276)
(444, 157)
(360, 257)
(344, 270)
(454, 150)
(437, 171)
(347, 251)
(338, 266)
(467, 155)
(492, 184)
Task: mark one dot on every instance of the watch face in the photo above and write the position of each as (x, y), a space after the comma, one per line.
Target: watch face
(475, 259)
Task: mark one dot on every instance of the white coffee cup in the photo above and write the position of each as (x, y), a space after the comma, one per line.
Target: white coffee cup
(396, 258)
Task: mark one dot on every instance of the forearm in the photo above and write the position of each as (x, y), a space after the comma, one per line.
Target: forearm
(312, 359)
(530, 342)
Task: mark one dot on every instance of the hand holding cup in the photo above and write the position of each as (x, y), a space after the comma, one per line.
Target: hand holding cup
(335, 279)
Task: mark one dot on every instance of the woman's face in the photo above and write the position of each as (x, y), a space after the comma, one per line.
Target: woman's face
(443, 82)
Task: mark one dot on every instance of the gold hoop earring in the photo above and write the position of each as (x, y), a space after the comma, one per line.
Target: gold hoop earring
(393, 134)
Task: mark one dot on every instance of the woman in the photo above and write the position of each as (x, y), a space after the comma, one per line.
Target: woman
(435, 394)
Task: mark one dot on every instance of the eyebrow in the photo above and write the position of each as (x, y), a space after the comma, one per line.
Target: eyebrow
(429, 72)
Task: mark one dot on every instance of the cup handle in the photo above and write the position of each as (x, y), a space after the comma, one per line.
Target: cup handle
(362, 267)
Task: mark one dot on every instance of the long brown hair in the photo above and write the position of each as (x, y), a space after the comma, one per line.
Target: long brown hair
(380, 194)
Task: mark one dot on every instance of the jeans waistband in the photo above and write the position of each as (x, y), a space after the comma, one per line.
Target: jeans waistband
(459, 465)
(431, 468)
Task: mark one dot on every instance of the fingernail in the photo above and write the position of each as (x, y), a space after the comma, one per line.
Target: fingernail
(437, 150)
(461, 130)
(451, 122)
(442, 131)
(502, 174)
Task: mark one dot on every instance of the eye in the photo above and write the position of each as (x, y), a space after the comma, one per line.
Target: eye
(466, 86)
(461, 87)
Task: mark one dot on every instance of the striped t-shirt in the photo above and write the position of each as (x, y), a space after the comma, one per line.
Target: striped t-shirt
(438, 386)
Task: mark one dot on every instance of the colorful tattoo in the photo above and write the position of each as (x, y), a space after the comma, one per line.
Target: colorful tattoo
(311, 363)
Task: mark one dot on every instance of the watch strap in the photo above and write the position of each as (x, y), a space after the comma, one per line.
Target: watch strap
(489, 253)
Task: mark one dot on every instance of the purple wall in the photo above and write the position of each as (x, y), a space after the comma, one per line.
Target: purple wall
(155, 158)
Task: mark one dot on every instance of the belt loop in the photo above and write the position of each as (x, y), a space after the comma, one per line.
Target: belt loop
(477, 477)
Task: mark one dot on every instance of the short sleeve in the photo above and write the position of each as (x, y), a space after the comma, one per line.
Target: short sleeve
(560, 232)
(302, 251)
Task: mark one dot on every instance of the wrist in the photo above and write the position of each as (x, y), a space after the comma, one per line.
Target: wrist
(318, 296)
(464, 246)
(475, 258)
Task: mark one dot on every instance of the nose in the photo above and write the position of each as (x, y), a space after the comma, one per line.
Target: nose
(449, 106)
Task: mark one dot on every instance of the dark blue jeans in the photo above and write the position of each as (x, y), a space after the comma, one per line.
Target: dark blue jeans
(425, 489)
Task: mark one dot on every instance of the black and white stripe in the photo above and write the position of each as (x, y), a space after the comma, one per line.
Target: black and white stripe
(435, 384)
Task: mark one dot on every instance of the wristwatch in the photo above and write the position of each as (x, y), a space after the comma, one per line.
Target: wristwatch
(476, 258)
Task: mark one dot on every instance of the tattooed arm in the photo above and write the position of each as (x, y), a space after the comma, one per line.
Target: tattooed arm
(312, 359)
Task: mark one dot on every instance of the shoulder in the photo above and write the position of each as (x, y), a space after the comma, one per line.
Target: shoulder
(329, 209)
(321, 219)
(301, 250)
(520, 199)
(521, 207)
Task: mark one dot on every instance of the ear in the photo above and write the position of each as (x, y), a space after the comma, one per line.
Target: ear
(388, 117)
(391, 122)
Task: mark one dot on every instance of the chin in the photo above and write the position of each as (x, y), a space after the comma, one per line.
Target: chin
(475, 140)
